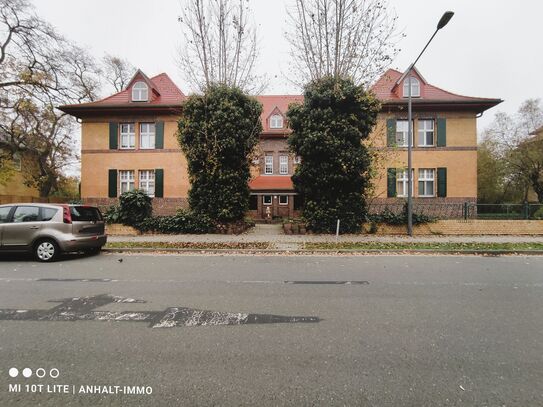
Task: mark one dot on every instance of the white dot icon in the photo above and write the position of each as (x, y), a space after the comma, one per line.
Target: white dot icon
(27, 372)
(13, 372)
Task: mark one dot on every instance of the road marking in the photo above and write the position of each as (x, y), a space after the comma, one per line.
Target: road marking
(82, 309)
(329, 282)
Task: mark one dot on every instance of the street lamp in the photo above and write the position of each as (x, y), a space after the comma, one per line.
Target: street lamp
(445, 18)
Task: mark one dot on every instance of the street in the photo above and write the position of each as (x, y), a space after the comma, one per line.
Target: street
(272, 331)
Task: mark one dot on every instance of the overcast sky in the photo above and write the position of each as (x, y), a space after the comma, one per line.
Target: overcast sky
(491, 48)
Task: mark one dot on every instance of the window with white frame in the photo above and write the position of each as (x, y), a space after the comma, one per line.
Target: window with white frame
(276, 121)
(126, 179)
(147, 182)
(297, 159)
(283, 199)
(402, 183)
(140, 92)
(426, 181)
(426, 133)
(268, 165)
(402, 131)
(267, 199)
(147, 135)
(128, 136)
(415, 87)
(283, 164)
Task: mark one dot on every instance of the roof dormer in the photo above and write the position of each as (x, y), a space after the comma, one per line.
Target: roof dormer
(415, 87)
(140, 92)
(141, 88)
(401, 87)
(276, 120)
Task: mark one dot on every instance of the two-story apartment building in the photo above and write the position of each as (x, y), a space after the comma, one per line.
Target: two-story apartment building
(129, 141)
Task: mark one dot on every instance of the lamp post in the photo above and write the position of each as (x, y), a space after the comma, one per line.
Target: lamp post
(445, 18)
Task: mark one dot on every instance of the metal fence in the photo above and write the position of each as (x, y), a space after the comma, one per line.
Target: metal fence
(464, 210)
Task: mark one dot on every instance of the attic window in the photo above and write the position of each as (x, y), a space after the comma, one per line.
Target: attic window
(140, 92)
(276, 121)
(415, 87)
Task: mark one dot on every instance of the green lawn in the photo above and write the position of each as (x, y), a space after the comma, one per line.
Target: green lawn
(422, 246)
(188, 245)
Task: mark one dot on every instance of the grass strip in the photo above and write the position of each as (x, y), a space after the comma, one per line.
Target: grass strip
(423, 246)
(188, 245)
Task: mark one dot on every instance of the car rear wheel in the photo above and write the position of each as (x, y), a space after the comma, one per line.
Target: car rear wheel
(46, 250)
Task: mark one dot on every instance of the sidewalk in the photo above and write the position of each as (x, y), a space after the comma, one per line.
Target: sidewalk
(274, 234)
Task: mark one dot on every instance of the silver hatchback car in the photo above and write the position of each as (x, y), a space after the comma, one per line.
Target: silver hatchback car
(46, 230)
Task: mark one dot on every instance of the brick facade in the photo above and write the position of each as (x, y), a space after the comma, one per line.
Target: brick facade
(469, 227)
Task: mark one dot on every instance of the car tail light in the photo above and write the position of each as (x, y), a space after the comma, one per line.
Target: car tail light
(66, 216)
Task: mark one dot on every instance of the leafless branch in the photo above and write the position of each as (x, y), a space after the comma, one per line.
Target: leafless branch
(219, 45)
(341, 38)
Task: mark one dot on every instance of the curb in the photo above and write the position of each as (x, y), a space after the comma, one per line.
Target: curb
(325, 251)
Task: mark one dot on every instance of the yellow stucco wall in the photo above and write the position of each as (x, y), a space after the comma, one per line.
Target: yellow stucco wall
(459, 156)
(15, 185)
(97, 158)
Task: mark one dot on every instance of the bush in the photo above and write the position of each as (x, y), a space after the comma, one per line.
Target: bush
(112, 214)
(328, 131)
(390, 218)
(218, 133)
(134, 207)
(183, 221)
(538, 214)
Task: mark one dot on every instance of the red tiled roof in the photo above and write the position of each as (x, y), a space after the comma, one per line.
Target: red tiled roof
(385, 91)
(271, 182)
(166, 93)
(271, 102)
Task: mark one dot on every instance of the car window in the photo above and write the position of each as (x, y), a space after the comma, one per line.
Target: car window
(48, 213)
(26, 214)
(85, 214)
(4, 212)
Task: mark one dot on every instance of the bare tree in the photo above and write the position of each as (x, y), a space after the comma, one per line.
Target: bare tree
(518, 147)
(40, 70)
(220, 45)
(117, 71)
(341, 38)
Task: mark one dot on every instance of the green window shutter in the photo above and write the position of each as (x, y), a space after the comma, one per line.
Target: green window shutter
(113, 136)
(442, 182)
(391, 182)
(159, 139)
(391, 132)
(112, 184)
(159, 183)
(441, 132)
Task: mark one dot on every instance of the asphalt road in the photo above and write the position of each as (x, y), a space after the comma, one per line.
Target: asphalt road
(408, 331)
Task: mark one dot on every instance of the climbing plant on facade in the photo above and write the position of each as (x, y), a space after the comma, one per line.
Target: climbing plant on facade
(328, 131)
(218, 132)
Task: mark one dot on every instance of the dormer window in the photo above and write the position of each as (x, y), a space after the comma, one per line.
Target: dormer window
(276, 121)
(140, 92)
(415, 87)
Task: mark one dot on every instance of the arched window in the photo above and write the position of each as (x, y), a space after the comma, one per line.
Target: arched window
(140, 92)
(276, 121)
(415, 87)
